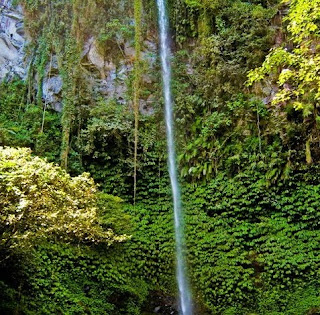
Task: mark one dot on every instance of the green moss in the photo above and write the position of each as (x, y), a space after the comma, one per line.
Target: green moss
(250, 197)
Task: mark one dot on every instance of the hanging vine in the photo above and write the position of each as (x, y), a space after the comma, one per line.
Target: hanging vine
(71, 75)
(137, 86)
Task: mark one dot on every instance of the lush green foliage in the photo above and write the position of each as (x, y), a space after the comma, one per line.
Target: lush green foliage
(48, 219)
(62, 278)
(22, 123)
(39, 200)
(294, 68)
(70, 24)
(253, 248)
(96, 133)
(251, 199)
(217, 119)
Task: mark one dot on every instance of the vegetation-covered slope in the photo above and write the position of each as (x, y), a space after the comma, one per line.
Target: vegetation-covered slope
(246, 109)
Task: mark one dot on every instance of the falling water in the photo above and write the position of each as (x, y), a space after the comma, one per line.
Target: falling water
(184, 290)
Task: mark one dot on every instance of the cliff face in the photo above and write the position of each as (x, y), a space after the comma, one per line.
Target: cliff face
(12, 41)
(80, 53)
(106, 74)
(78, 59)
(248, 166)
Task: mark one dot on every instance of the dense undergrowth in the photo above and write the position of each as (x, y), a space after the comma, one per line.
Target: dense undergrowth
(252, 249)
(248, 162)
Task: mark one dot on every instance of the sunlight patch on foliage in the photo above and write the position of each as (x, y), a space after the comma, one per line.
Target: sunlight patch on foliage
(40, 200)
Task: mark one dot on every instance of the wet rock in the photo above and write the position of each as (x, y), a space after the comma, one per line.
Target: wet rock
(51, 91)
(150, 45)
(190, 70)
(7, 50)
(160, 304)
(157, 309)
(129, 50)
(115, 84)
(105, 75)
(12, 41)
(150, 52)
(146, 107)
(96, 59)
(52, 67)
(269, 91)
(87, 46)
(147, 78)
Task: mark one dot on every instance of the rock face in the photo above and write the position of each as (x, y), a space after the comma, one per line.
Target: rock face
(106, 76)
(51, 92)
(113, 76)
(12, 41)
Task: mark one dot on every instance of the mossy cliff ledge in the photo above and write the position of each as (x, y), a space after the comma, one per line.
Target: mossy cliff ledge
(105, 57)
(81, 87)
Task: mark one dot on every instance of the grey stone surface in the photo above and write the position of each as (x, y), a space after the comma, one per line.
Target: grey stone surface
(146, 106)
(12, 41)
(104, 75)
(129, 50)
(51, 91)
(95, 58)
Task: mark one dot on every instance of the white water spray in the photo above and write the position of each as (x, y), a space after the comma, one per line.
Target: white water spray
(184, 290)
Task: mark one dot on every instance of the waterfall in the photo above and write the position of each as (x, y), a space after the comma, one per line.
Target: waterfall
(183, 285)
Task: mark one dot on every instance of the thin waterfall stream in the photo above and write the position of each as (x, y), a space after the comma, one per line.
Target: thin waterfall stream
(181, 274)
